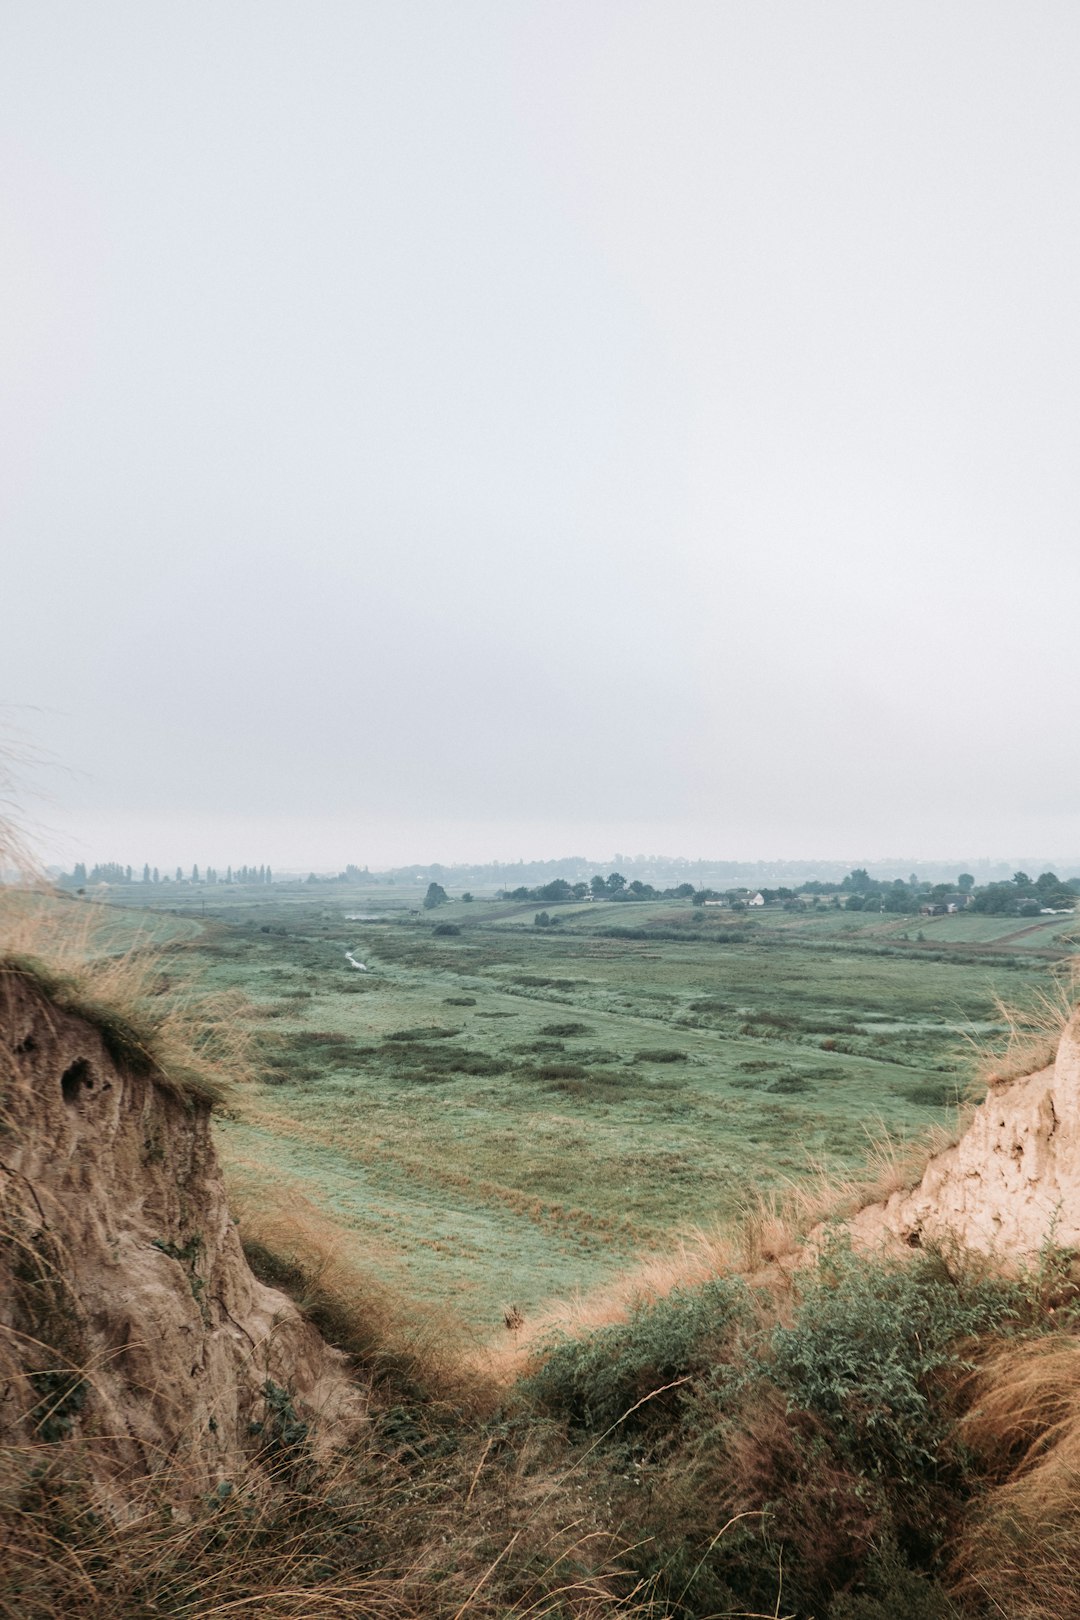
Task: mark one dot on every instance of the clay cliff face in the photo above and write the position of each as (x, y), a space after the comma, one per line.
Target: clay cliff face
(128, 1314)
(1011, 1182)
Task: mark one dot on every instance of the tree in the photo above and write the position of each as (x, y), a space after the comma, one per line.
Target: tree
(556, 892)
(146, 874)
(965, 883)
(467, 896)
(436, 896)
(598, 886)
(615, 883)
(194, 874)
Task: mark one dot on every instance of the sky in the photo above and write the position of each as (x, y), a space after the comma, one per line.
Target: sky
(522, 427)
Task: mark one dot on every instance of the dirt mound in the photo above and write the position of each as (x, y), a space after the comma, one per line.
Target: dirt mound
(129, 1317)
(1012, 1181)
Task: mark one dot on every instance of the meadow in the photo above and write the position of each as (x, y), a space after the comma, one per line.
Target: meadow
(497, 1115)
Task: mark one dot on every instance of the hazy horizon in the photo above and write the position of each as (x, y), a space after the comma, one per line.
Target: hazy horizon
(491, 430)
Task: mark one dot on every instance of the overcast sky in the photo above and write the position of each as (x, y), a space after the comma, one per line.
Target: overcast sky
(452, 430)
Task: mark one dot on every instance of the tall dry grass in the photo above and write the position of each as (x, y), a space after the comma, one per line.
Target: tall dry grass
(17, 859)
(395, 1531)
(1033, 1030)
(1019, 1552)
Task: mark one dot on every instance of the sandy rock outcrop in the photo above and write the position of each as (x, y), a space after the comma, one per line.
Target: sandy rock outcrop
(1013, 1179)
(128, 1313)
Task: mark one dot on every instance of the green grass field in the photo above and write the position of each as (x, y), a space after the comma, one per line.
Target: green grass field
(511, 1113)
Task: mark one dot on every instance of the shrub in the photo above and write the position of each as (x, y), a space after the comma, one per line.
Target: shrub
(594, 1382)
(421, 1061)
(868, 1347)
(789, 1085)
(931, 1093)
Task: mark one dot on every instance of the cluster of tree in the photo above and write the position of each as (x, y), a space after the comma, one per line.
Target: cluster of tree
(436, 896)
(104, 872)
(612, 887)
(243, 874)
(1022, 896)
(249, 874)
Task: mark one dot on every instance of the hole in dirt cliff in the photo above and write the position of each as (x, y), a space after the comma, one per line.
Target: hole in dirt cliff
(76, 1079)
(27, 1044)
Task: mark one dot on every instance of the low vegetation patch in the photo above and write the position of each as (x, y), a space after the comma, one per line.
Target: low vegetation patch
(932, 1094)
(422, 1032)
(806, 1448)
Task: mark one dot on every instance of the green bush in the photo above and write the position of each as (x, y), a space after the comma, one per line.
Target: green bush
(595, 1381)
(869, 1348)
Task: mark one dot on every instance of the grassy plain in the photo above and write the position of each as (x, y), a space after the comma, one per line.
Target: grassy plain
(508, 1114)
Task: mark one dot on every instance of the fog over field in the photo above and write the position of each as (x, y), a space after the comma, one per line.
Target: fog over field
(472, 432)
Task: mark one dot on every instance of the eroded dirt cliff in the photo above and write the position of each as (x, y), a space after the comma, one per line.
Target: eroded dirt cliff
(1011, 1183)
(128, 1314)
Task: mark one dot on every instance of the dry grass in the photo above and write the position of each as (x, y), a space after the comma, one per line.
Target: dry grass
(16, 856)
(193, 1044)
(1033, 1030)
(1020, 1551)
(387, 1535)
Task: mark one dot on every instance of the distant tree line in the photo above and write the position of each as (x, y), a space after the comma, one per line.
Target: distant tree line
(113, 872)
(1022, 896)
(858, 891)
(612, 887)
